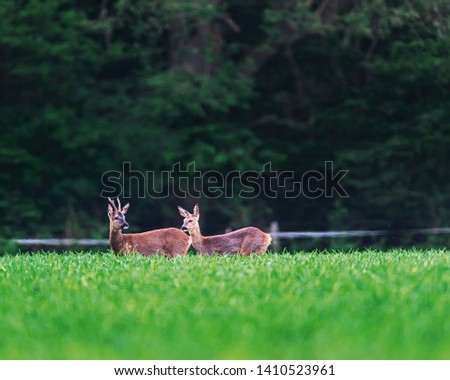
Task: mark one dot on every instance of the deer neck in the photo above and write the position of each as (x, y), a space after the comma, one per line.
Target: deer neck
(196, 237)
(115, 239)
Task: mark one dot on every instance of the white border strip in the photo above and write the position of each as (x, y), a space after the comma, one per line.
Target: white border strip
(254, 369)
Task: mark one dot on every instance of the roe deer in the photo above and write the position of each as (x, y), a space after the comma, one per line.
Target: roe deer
(167, 241)
(244, 241)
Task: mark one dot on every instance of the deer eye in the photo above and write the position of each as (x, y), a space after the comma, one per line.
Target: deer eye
(116, 218)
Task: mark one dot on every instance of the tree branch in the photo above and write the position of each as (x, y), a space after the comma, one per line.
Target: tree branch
(103, 14)
(229, 21)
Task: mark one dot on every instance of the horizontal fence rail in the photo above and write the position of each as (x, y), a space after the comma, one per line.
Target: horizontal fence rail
(356, 233)
(62, 242)
(274, 234)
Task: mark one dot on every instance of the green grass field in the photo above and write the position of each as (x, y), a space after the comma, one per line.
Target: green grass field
(358, 305)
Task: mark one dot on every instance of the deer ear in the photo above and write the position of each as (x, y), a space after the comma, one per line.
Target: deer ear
(196, 210)
(125, 208)
(110, 211)
(183, 212)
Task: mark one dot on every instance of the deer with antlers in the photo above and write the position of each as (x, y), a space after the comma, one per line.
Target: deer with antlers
(243, 242)
(167, 241)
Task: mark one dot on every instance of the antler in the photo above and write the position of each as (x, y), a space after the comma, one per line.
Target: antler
(118, 202)
(112, 203)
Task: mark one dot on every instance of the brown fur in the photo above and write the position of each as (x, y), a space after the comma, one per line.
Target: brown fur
(243, 242)
(167, 241)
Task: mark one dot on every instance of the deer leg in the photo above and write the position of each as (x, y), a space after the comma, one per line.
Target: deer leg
(247, 247)
(252, 245)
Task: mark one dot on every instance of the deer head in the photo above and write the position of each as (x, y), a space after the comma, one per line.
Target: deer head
(117, 214)
(190, 221)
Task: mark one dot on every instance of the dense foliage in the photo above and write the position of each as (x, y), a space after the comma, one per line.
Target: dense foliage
(370, 304)
(88, 85)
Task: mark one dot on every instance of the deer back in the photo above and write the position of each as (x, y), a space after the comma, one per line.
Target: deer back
(243, 241)
(167, 241)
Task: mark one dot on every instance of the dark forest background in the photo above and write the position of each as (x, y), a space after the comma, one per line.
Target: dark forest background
(230, 85)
